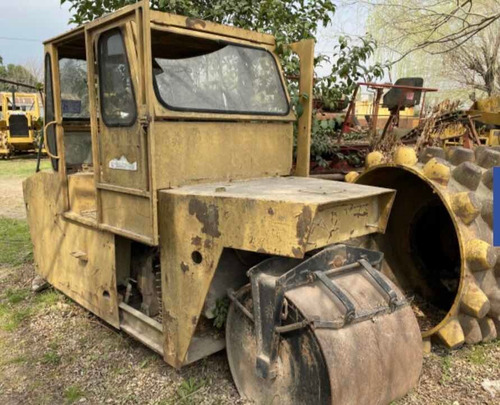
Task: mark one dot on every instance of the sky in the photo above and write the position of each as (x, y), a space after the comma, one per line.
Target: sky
(25, 24)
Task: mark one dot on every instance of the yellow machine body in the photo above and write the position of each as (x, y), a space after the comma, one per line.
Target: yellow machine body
(18, 117)
(179, 203)
(198, 182)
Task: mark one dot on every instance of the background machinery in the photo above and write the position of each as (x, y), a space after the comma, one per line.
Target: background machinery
(19, 116)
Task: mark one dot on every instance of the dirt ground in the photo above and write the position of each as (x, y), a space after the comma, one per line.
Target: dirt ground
(11, 198)
(54, 352)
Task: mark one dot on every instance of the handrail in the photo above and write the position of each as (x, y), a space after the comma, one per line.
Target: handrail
(47, 149)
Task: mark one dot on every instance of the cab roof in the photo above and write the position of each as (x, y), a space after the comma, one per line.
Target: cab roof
(163, 19)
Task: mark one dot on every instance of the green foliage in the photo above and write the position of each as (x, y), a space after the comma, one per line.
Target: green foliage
(16, 73)
(288, 20)
(48, 298)
(19, 359)
(323, 139)
(220, 312)
(15, 243)
(350, 65)
(446, 369)
(189, 387)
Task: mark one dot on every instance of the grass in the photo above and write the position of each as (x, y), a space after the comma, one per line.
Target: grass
(16, 295)
(446, 369)
(51, 357)
(73, 393)
(18, 304)
(12, 317)
(15, 243)
(21, 167)
(189, 387)
(48, 298)
(477, 355)
(15, 360)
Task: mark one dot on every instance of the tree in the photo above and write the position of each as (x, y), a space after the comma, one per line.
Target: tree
(476, 64)
(288, 20)
(16, 73)
(452, 44)
(436, 26)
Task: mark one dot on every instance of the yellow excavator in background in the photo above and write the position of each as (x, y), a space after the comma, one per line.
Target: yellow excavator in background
(19, 121)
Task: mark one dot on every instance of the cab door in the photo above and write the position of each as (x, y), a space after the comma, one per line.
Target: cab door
(122, 181)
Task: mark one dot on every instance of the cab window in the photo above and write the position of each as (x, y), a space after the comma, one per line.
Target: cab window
(118, 107)
(195, 74)
(49, 111)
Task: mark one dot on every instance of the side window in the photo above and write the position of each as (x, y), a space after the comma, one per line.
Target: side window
(118, 107)
(74, 89)
(49, 111)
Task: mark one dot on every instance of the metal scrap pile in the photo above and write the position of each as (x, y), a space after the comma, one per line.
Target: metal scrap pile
(444, 125)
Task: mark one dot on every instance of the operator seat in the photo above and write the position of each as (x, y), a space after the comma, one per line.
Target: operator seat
(396, 100)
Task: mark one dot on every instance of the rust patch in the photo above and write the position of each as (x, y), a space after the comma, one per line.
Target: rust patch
(270, 211)
(208, 244)
(195, 23)
(168, 316)
(337, 261)
(208, 215)
(297, 252)
(196, 241)
(194, 320)
(184, 267)
(262, 250)
(303, 225)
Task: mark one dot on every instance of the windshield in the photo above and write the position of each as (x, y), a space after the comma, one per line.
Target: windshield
(212, 76)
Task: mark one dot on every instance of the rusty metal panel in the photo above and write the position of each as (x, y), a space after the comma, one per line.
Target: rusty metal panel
(210, 27)
(127, 212)
(82, 193)
(76, 259)
(195, 152)
(280, 216)
(350, 219)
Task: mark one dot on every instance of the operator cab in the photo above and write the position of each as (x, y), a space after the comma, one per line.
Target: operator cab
(132, 101)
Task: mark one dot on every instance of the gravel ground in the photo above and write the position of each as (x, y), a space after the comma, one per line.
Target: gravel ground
(58, 353)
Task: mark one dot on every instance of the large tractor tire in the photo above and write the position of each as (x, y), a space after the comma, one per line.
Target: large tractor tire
(438, 243)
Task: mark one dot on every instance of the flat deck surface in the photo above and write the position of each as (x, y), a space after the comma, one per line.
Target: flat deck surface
(286, 189)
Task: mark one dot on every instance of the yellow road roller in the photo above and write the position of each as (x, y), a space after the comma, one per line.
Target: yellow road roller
(439, 239)
(174, 207)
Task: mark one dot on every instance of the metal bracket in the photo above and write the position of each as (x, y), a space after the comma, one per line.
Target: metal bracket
(393, 297)
(273, 277)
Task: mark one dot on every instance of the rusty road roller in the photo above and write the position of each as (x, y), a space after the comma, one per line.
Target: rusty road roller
(438, 241)
(173, 201)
